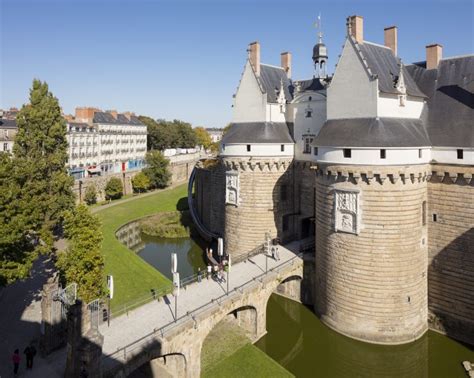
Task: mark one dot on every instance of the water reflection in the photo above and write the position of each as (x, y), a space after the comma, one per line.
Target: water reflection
(157, 251)
(298, 341)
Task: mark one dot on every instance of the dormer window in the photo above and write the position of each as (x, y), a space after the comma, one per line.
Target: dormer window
(308, 113)
(347, 153)
(307, 145)
(460, 154)
(315, 151)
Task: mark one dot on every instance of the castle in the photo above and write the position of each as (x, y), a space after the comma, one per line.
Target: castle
(375, 165)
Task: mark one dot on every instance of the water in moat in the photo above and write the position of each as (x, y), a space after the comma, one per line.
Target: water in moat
(298, 341)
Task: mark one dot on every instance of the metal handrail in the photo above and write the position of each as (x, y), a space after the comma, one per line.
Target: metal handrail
(192, 314)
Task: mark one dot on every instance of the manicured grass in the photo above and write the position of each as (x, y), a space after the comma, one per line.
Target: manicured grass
(248, 361)
(227, 352)
(133, 277)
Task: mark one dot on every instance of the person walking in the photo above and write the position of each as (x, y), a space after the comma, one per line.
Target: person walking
(199, 274)
(209, 271)
(16, 362)
(30, 353)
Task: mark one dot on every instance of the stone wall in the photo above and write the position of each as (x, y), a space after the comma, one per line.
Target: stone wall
(209, 194)
(372, 284)
(451, 251)
(180, 169)
(261, 205)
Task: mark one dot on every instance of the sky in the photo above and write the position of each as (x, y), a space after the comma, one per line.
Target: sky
(183, 59)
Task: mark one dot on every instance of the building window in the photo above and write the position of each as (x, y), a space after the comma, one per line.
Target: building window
(420, 153)
(310, 98)
(307, 145)
(285, 222)
(282, 148)
(435, 217)
(283, 192)
(460, 154)
(5, 146)
(315, 151)
(308, 113)
(423, 213)
(402, 100)
(383, 154)
(248, 147)
(223, 147)
(347, 152)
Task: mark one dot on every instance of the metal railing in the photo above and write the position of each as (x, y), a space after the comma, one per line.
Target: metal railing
(124, 354)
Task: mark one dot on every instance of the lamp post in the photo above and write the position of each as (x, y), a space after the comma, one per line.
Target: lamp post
(220, 248)
(176, 283)
(110, 295)
(228, 271)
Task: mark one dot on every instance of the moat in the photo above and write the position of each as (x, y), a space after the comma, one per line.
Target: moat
(305, 347)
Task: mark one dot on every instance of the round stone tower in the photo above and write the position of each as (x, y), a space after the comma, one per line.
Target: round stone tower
(258, 183)
(371, 251)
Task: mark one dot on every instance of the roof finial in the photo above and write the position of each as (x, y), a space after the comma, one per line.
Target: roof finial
(318, 25)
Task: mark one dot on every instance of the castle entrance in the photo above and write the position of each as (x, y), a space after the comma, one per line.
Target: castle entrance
(307, 227)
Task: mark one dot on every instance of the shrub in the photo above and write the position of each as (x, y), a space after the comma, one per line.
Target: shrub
(90, 197)
(114, 189)
(140, 182)
(157, 169)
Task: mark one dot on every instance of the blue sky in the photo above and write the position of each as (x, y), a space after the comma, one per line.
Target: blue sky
(183, 59)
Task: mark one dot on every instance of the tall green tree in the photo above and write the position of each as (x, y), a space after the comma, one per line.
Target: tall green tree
(90, 196)
(185, 136)
(157, 169)
(40, 156)
(114, 189)
(83, 262)
(16, 254)
(203, 137)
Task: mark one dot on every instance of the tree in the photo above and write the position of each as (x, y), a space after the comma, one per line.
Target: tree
(203, 138)
(40, 156)
(185, 136)
(16, 252)
(83, 262)
(157, 169)
(159, 133)
(114, 189)
(140, 182)
(226, 129)
(90, 196)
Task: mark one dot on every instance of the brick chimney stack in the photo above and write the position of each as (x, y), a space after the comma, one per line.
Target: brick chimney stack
(113, 113)
(434, 53)
(286, 63)
(85, 114)
(355, 28)
(391, 38)
(254, 56)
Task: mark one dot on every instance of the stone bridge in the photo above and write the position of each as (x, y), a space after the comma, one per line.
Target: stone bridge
(175, 348)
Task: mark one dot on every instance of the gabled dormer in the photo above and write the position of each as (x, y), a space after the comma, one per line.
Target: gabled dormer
(264, 90)
(371, 81)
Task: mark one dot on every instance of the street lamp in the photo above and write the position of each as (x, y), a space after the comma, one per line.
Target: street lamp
(176, 283)
(110, 295)
(220, 248)
(228, 271)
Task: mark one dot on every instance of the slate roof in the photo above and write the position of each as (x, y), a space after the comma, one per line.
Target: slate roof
(382, 63)
(258, 132)
(449, 117)
(7, 123)
(107, 118)
(373, 132)
(314, 84)
(270, 80)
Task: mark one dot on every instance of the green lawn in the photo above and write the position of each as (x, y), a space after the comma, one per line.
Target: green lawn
(227, 352)
(133, 277)
(248, 361)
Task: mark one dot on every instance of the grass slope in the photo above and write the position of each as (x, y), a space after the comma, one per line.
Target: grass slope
(227, 352)
(248, 361)
(133, 277)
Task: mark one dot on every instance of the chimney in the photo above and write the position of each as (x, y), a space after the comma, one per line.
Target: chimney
(286, 63)
(355, 28)
(391, 38)
(254, 56)
(113, 113)
(85, 114)
(128, 115)
(434, 53)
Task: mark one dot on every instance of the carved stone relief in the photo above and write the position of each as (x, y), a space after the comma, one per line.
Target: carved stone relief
(346, 211)
(232, 188)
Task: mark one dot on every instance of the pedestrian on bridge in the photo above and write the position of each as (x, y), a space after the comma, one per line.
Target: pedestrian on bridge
(16, 362)
(199, 274)
(209, 271)
(30, 353)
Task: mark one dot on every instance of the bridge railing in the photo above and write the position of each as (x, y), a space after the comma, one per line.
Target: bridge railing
(126, 353)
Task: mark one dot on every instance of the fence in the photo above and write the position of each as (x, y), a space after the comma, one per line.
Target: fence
(129, 351)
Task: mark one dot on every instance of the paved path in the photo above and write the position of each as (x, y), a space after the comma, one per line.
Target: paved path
(126, 329)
